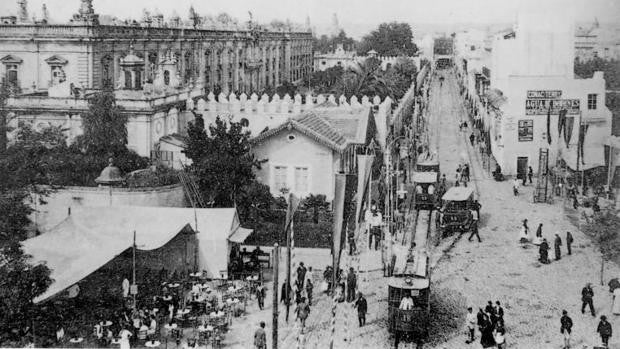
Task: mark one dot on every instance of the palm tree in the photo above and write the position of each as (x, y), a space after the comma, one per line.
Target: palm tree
(364, 79)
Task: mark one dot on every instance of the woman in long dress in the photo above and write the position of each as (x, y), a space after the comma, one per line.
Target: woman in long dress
(616, 305)
(125, 334)
(524, 234)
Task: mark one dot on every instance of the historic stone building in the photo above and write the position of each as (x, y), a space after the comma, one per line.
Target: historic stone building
(154, 66)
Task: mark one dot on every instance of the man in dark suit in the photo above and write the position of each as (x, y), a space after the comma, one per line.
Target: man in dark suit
(362, 308)
(587, 295)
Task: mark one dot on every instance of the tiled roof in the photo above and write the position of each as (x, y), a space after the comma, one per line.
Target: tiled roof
(335, 128)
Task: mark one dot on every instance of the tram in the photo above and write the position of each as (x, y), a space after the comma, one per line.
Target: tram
(425, 193)
(426, 163)
(455, 212)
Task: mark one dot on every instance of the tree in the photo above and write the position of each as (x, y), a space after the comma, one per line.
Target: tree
(604, 229)
(221, 160)
(326, 44)
(315, 203)
(326, 80)
(105, 127)
(253, 199)
(286, 88)
(389, 39)
(364, 79)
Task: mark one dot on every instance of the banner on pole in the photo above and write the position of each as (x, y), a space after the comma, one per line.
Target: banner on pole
(364, 168)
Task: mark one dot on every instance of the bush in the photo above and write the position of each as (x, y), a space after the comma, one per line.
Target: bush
(149, 178)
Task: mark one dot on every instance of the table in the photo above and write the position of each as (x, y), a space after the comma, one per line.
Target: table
(174, 285)
(76, 340)
(183, 311)
(108, 323)
(152, 344)
(167, 298)
(169, 327)
(116, 341)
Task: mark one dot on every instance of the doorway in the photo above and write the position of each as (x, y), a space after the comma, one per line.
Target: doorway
(522, 167)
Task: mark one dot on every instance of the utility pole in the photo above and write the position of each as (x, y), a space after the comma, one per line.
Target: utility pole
(276, 263)
(134, 269)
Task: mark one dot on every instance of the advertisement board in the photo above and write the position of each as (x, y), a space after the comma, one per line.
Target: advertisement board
(526, 130)
(541, 106)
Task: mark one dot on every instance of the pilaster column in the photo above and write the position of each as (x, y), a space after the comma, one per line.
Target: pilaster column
(201, 64)
(287, 60)
(146, 74)
(276, 80)
(236, 60)
(225, 60)
(213, 67)
(263, 68)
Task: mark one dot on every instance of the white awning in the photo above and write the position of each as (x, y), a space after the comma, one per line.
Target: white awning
(593, 156)
(240, 235)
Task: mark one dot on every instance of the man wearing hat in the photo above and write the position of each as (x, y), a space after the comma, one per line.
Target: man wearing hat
(604, 330)
(587, 294)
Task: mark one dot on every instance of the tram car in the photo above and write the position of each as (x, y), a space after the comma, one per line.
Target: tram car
(455, 212)
(427, 163)
(426, 191)
(410, 322)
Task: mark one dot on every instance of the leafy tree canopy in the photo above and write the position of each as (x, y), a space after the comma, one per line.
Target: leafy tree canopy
(326, 44)
(221, 160)
(610, 68)
(389, 39)
(105, 127)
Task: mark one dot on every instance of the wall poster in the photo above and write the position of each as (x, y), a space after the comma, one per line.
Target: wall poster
(526, 130)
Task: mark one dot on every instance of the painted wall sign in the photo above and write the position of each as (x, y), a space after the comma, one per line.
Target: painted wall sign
(544, 94)
(541, 106)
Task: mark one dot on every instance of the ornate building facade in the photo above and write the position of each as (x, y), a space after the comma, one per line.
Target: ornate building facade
(154, 67)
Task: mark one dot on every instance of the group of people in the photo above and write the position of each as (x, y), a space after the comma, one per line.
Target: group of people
(302, 290)
(543, 245)
(462, 175)
(490, 323)
(603, 329)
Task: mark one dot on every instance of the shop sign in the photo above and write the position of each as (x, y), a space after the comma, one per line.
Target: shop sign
(541, 106)
(544, 94)
(526, 130)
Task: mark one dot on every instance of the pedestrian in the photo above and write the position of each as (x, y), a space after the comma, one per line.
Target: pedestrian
(569, 242)
(352, 247)
(524, 234)
(615, 309)
(557, 243)
(301, 273)
(477, 207)
(515, 186)
(486, 334)
(472, 138)
(530, 173)
(471, 325)
(539, 231)
(474, 227)
(466, 173)
(499, 311)
(575, 202)
(604, 330)
(303, 310)
(480, 317)
(286, 293)
(309, 288)
(260, 296)
(260, 337)
(377, 221)
(362, 308)
(566, 327)
(351, 285)
(500, 339)
(543, 251)
(587, 295)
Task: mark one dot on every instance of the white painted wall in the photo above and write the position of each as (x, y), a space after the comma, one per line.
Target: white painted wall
(302, 151)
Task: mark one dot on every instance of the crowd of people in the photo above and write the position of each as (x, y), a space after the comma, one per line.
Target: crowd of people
(490, 324)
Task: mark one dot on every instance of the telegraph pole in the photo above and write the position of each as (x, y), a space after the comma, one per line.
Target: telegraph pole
(276, 263)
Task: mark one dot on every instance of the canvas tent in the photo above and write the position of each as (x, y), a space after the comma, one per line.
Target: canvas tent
(90, 237)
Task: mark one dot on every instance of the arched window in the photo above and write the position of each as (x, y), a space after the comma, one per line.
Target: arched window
(166, 77)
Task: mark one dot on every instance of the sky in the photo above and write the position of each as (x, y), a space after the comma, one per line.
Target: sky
(355, 16)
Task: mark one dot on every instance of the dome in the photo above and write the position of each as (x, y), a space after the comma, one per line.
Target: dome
(110, 175)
